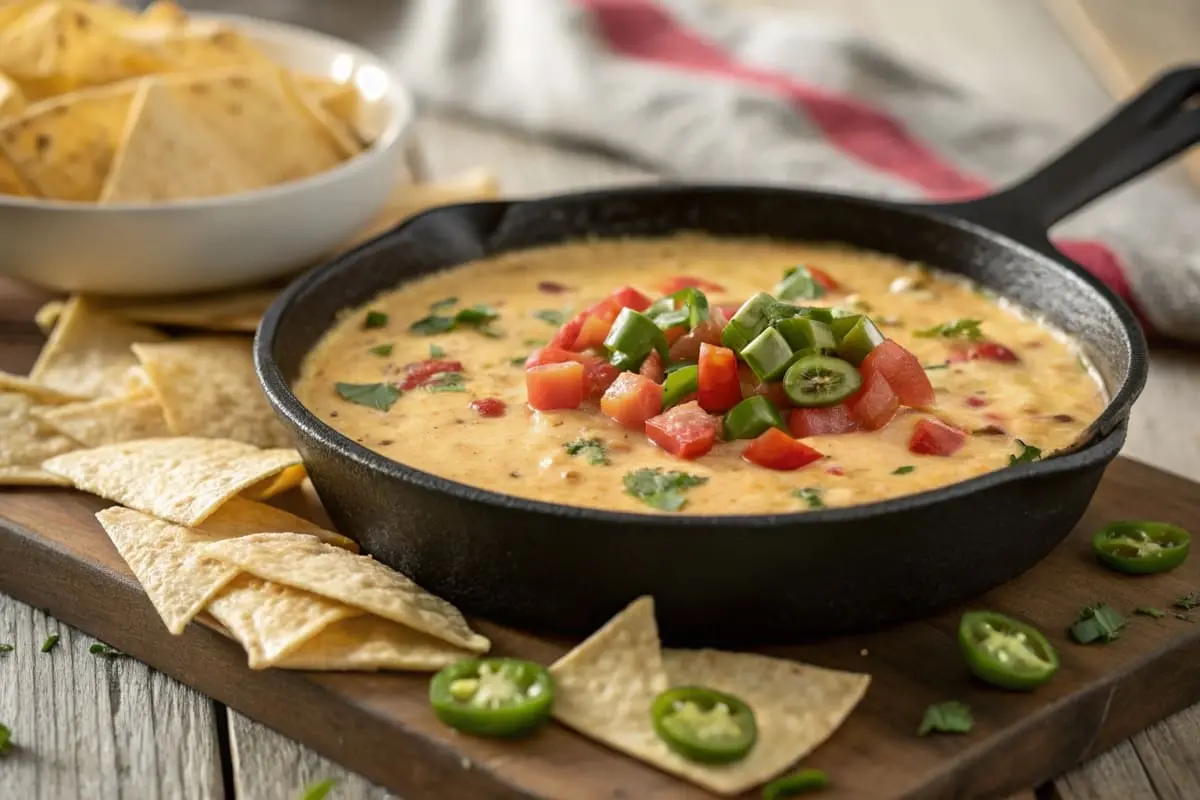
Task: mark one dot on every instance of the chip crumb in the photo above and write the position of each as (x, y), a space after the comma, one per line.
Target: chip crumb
(863, 652)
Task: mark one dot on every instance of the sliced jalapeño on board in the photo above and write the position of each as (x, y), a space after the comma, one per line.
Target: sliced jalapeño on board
(1006, 652)
(1141, 548)
(494, 697)
(704, 725)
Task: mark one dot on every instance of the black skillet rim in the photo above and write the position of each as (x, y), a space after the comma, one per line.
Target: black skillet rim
(1114, 417)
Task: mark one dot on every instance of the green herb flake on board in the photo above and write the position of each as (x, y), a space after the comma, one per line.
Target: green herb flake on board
(380, 396)
(50, 643)
(591, 450)
(1150, 611)
(802, 782)
(5, 740)
(383, 350)
(1097, 623)
(661, 490)
(1187, 602)
(374, 319)
(6, 648)
(812, 495)
(948, 717)
(904, 470)
(318, 790)
(104, 650)
(955, 329)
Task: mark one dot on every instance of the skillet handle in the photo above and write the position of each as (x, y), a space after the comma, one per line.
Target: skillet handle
(1160, 122)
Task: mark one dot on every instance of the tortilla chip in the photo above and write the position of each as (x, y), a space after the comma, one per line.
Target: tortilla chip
(410, 199)
(163, 558)
(270, 621)
(107, 420)
(368, 644)
(12, 99)
(208, 387)
(47, 316)
(236, 311)
(11, 182)
(88, 353)
(277, 484)
(344, 136)
(196, 47)
(30, 476)
(43, 395)
(341, 100)
(10, 12)
(25, 442)
(164, 13)
(360, 581)
(237, 517)
(181, 479)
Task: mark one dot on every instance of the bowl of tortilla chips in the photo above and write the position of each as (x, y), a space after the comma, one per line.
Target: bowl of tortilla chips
(160, 152)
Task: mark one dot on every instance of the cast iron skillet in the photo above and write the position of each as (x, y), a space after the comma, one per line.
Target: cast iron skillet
(742, 579)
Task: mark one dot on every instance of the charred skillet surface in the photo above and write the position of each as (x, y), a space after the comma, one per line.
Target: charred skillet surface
(716, 580)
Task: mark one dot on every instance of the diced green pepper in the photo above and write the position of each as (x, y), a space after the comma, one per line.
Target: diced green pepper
(749, 321)
(842, 325)
(804, 333)
(777, 312)
(633, 336)
(675, 366)
(860, 340)
(819, 313)
(750, 418)
(768, 355)
(679, 384)
(798, 284)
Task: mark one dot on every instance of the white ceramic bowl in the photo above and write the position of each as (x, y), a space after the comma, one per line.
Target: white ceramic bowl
(215, 243)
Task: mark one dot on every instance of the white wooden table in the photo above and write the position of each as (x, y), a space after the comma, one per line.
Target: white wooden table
(98, 729)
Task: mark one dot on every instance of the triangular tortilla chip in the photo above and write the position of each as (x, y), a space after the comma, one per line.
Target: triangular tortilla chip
(235, 311)
(107, 420)
(42, 395)
(208, 387)
(183, 480)
(344, 136)
(88, 354)
(12, 99)
(63, 148)
(47, 316)
(360, 581)
(341, 100)
(271, 621)
(25, 442)
(163, 13)
(367, 644)
(200, 46)
(239, 517)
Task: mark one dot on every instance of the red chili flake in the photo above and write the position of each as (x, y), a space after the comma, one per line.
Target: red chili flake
(976, 402)
(836, 471)
(489, 407)
(553, 287)
(420, 372)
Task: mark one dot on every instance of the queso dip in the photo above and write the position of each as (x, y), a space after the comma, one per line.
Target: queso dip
(434, 374)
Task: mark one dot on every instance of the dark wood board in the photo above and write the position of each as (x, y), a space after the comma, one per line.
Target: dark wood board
(54, 555)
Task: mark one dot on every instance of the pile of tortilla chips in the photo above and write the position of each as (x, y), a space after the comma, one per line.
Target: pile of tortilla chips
(100, 104)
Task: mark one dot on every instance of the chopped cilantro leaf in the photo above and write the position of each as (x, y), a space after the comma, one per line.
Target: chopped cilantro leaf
(592, 450)
(446, 382)
(1150, 611)
(6, 648)
(904, 470)
(374, 319)
(491, 332)
(1188, 601)
(948, 717)
(50, 643)
(104, 650)
(477, 314)
(432, 325)
(1028, 454)
(929, 367)
(1097, 623)
(318, 790)
(802, 782)
(661, 490)
(445, 302)
(5, 740)
(810, 495)
(436, 351)
(380, 396)
(552, 316)
(536, 342)
(519, 361)
(956, 329)
(381, 350)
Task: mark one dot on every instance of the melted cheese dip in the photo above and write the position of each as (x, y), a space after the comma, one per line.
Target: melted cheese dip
(1046, 399)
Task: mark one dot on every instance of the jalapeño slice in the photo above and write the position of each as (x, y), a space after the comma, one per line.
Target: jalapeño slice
(820, 381)
(1141, 548)
(704, 725)
(1006, 652)
(495, 697)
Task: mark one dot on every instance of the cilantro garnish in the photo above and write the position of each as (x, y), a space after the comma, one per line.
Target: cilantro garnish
(519, 361)
(661, 490)
(50, 643)
(928, 367)
(592, 451)
(446, 382)
(318, 790)
(436, 351)
(1150, 611)
(1097, 623)
(5, 740)
(374, 319)
(552, 316)
(380, 396)
(686, 307)
(381, 350)
(477, 316)
(104, 650)
(810, 495)
(1028, 454)
(904, 470)
(432, 325)
(1188, 601)
(445, 302)
(956, 329)
(6, 648)
(948, 717)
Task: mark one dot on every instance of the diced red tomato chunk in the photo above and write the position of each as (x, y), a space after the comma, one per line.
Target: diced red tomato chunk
(824, 279)
(592, 333)
(903, 372)
(874, 405)
(932, 437)
(833, 420)
(983, 351)
(629, 297)
(677, 282)
(773, 391)
(420, 372)
(685, 431)
(489, 407)
(566, 336)
(776, 450)
(632, 399)
(687, 348)
(718, 387)
(653, 367)
(550, 354)
(551, 387)
(598, 375)
(674, 335)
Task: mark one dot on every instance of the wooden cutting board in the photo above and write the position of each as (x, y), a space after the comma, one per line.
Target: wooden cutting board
(55, 556)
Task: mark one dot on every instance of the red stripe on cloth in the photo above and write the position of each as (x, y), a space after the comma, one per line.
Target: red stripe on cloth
(643, 30)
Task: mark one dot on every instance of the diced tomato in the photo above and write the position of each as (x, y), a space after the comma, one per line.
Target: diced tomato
(653, 367)
(420, 373)
(632, 399)
(566, 336)
(598, 375)
(678, 282)
(903, 372)
(488, 407)
(550, 354)
(821, 421)
(592, 333)
(776, 450)
(983, 351)
(718, 386)
(773, 391)
(687, 348)
(824, 279)
(932, 437)
(748, 380)
(629, 297)
(874, 405)
(555, 386)
(685, 431)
